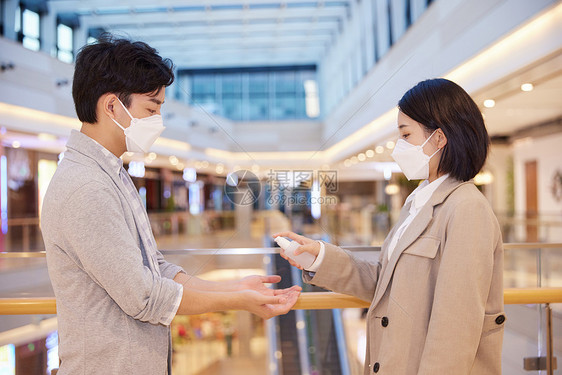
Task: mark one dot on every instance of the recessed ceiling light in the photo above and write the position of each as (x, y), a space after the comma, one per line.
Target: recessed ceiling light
(370, 153)
(361, 157)
(489, 103)
(16, 144)
(527, 87)
(390, 145)
(379, 149)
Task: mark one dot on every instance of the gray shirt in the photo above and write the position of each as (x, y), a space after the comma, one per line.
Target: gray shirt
(115, 296)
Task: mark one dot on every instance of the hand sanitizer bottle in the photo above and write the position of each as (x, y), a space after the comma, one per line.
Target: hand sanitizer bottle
(305, 259)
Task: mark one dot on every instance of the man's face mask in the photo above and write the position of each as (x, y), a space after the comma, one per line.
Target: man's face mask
(142, 132)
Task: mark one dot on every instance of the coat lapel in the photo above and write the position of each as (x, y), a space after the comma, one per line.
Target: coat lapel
(412, 233)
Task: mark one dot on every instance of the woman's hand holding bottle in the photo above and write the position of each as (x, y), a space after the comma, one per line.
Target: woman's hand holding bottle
(301, 253)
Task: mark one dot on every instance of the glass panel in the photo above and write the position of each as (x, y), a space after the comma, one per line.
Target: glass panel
(64, 37)
(17, 24)
(284, 82)
(30, 24)
(31, 43)
(258, 107)
(203, 83)
(232, 83)
(232, 107)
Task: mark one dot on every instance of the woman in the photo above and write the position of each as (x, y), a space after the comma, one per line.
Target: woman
(437, 289)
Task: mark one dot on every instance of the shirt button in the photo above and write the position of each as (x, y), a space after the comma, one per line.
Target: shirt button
(376, 367)
(500, 319)
(384, 321)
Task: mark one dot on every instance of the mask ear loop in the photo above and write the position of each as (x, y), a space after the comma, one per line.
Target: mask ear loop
(132, 118)
(427, 140)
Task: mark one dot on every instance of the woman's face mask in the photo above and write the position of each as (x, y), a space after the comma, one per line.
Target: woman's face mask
(411, 159)
(142, 132)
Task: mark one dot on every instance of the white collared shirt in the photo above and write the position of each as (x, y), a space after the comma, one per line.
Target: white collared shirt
(420, 196)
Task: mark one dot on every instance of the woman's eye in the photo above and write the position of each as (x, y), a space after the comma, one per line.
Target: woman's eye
(405, 136)
(151, 111)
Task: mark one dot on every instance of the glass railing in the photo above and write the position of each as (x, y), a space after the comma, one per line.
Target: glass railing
(323, 334)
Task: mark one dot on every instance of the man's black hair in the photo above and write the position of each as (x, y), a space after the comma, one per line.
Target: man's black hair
(119, 66)
(442, 104)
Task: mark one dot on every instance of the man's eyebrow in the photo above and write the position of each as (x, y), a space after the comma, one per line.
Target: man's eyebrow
(156, 101)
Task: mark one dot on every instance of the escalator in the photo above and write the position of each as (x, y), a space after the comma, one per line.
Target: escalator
(312, 341)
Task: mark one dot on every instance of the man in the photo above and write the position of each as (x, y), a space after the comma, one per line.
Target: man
(116, 295)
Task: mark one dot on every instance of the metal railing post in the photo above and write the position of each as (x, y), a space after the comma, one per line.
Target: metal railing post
(549, 350)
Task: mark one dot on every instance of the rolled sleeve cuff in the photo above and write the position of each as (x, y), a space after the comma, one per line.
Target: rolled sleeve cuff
(167, 319)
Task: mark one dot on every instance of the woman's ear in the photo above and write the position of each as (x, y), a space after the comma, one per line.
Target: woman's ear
(441, 139)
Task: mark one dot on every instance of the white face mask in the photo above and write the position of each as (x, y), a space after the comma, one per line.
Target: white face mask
(142, 132)
(411, 159)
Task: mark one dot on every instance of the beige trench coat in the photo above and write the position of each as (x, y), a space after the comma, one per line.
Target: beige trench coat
(437, 305)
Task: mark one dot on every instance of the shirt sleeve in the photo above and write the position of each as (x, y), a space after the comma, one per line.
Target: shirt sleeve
(319, 258)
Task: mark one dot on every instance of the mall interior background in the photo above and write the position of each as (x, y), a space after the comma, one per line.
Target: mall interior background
(302, 95)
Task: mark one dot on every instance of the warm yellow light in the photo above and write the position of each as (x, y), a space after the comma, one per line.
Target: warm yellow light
(46, 137)
(347, 163)
(255, 168)
(390, 145)
(16, 144)
(361, 157)
(527, 87)
(204, 164)
(152, 156)
(173, 160)
(483, 178)
(354, 160)
(392, 189)
(370, 153)
(489, 103)
(379, 149)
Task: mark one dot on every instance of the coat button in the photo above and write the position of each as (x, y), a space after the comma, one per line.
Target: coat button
(500, 319)
(384, 321)
(376, 367)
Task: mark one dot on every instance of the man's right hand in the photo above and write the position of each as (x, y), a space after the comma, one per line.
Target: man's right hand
(269, 306)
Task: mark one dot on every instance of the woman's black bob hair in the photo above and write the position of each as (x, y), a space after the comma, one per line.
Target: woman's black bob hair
(442, 104)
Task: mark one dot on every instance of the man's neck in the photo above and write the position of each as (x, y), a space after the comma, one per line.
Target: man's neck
(103, 138)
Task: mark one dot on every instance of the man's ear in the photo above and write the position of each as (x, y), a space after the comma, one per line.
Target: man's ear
(107, 103)
(441, 139)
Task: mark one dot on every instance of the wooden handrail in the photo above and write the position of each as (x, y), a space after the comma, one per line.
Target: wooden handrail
(306, 301)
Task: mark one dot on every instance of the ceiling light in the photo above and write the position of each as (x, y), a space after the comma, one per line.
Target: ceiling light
(379, 149)
(152, 156)
(527, 87)
(354, 160)
(347, 163)
(489, 103)
(173, 160)
(370, 153)
(390, 145)
(16, 144)
(361, 157)
(204, 164)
